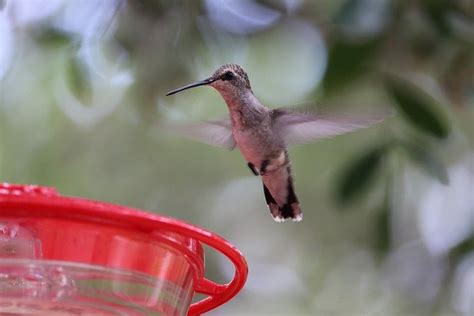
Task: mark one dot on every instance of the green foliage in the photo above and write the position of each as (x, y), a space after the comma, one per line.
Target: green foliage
(417, 106)
(347, 61)
(52, 37)
(463, 248)
(79, 80)
(347, 12)
(382, 236)
(426, 157)
(438, 11)
(359, 173)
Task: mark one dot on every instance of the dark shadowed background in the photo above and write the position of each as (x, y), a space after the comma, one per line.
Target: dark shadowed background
(389, 211)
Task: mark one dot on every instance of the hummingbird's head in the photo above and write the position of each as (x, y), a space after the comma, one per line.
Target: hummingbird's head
(228, 79)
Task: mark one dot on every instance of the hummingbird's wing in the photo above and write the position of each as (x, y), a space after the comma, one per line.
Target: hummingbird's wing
(299, 128)
(216, 133)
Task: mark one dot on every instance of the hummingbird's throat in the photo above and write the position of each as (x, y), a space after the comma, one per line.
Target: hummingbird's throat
(237, 100)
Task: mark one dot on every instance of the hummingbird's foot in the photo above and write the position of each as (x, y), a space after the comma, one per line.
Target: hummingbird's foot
(252, 168)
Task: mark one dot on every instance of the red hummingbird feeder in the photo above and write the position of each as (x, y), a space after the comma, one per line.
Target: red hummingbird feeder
(70, 256)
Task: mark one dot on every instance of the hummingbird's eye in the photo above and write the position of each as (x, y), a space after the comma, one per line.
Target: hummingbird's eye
(228, 75)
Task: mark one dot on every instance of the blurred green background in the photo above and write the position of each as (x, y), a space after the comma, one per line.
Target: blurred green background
(389, 211)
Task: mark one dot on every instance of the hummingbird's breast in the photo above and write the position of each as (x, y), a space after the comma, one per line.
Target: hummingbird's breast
(252, 129)
(257, 143)
(251, 144)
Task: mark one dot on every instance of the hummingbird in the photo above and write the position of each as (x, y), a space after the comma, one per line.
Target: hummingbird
(263, 135)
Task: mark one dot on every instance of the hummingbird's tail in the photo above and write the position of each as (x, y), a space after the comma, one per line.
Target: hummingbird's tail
(280, 195)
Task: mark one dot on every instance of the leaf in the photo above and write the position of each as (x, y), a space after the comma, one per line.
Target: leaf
(347, 61)
(425, 156)
(51, 37)
(358, 175)
(79, 80)
(352, 16)
(417, 106)
(382, 240)
(438, 11)
(462, 249)
(347, 12)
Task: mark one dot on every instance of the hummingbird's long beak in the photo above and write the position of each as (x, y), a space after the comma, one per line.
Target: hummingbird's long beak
(192, 85)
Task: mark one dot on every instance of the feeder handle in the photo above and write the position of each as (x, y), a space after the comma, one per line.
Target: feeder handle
(211, 288)
(218, 293)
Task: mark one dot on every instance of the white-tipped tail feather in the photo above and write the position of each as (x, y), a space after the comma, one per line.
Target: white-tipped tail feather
(280, 195)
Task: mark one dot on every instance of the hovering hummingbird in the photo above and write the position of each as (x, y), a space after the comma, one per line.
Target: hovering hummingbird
(263, 135)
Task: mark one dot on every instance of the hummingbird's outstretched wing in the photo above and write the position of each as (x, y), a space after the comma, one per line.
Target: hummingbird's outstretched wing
(216, 133)
(299, 128)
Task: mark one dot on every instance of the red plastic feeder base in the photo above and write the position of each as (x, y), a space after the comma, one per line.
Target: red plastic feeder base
(69, 256)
